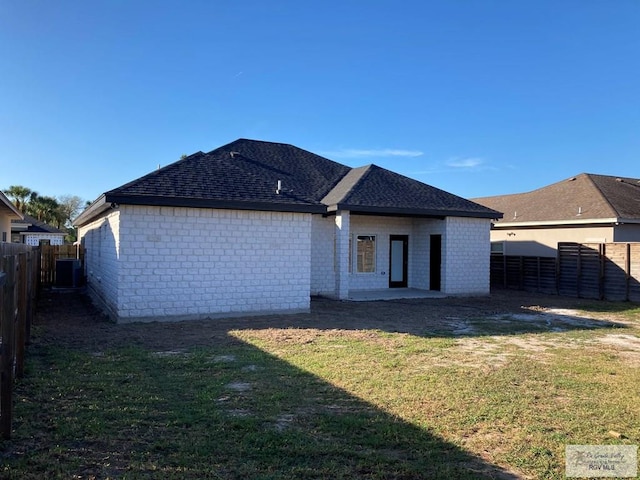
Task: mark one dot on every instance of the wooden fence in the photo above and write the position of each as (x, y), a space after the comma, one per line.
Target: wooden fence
(19, 276)
(50, 254)
(533, 274)
(607, 271)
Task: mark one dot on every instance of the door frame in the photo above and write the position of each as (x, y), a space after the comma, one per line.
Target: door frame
(405, 261)
(435, 262)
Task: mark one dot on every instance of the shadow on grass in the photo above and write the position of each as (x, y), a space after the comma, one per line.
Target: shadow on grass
(191, 400)
(232, 411)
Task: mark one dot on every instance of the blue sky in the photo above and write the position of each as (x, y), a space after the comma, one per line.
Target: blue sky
(475, 97)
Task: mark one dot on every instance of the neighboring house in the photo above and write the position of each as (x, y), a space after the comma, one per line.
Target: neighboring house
(32, 231)
(586, 208)
(257, 227)
(8, 212)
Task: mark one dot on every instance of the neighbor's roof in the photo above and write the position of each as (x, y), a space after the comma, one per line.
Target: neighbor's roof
(32, 225)
(585, 198)
(245, 174)
(8, 208)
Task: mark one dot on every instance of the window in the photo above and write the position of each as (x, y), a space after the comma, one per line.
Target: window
(366, 253)
(497, 248)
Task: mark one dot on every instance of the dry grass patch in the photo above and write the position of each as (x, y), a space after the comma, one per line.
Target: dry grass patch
(514, 400)
(456, 388)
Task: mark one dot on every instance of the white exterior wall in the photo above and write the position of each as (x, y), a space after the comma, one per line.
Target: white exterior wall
(465, 253)
(183, 263)
(102, 259)
(5, 227)
(341, 260)
(33, 239)
(465, 256)
(419, 260)
(382, 228)
(323, 277)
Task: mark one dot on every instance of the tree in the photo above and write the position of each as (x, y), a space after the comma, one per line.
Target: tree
(70, 206)
(19, 195)
(57, 212)
(46, 209)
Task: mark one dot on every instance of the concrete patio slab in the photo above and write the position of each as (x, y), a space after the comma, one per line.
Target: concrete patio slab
(392, 294)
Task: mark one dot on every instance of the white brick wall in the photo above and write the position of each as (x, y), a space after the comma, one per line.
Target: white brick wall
(323, 279)
(341, 260)
(465, 256)
(150, 263)
(382, 227)
(102, 259)
(419, 260)
(194, 263)
(465, 253)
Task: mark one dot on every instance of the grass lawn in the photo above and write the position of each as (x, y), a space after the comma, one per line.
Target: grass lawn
(497, 397)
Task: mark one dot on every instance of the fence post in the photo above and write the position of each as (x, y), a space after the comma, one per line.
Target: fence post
(8, 264)
(29, 296)
(603, 261)
(627, 270)
(504, 271)
(558, 260)
(21, 317)
(579, 271)
(521, 273)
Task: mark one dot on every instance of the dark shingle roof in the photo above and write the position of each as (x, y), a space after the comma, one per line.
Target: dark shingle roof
(583, 197)
(33, 225)
(377, 190)
(245, 174)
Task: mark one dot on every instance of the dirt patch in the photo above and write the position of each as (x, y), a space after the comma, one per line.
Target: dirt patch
(70, 320)
(627, 346)
(238, 387)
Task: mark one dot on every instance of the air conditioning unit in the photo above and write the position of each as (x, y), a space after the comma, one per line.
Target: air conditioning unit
(68, 273)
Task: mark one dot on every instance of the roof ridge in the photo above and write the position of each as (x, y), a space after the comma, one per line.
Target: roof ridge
(602, 195)
(346, 185)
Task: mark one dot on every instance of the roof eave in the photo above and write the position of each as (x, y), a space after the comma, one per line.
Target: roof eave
(14, 213)
(411, 212)
(208, 203)
(60, 234)
(560, 223)
(97, 208)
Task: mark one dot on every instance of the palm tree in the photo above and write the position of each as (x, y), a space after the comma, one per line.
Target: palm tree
(19, 195)
(45, 209)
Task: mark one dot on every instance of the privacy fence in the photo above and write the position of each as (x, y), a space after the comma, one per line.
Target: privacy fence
(61, 265)
(19, 276)
(23, 270)
(608, 271)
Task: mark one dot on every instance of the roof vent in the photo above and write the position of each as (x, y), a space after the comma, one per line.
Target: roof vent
(579, 211)
(279, 187)
(234, 153)
(572, 179)
(619, 180)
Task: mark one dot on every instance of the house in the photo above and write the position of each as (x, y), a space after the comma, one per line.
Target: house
(8, 212)
(586, 208)
(32, 231)
(258, 227)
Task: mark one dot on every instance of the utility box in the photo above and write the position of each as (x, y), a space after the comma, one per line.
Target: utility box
(68, 273)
